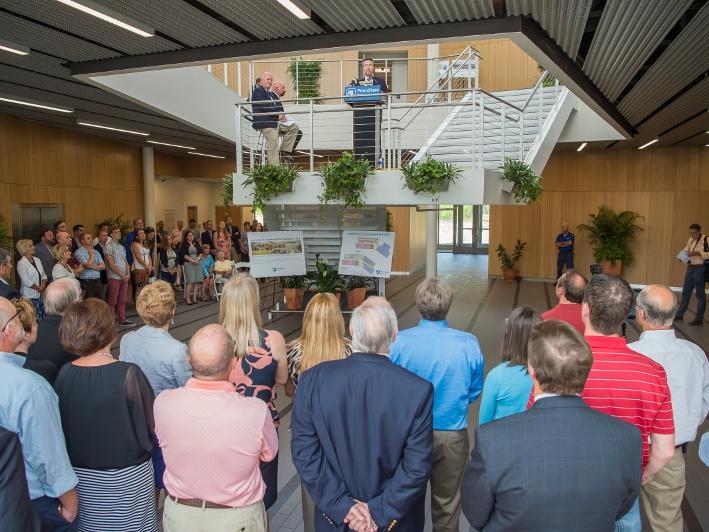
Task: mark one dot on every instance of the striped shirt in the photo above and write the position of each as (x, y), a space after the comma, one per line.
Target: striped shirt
(82, 256)
(629, 386)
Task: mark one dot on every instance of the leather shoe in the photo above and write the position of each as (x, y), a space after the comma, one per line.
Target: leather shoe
(696, 322)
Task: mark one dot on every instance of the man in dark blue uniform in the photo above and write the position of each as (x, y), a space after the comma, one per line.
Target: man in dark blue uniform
(565, 245)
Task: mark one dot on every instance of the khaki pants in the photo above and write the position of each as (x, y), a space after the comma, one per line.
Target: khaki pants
(450, 454)
(661, 496)
(181, 518)
(271, 135)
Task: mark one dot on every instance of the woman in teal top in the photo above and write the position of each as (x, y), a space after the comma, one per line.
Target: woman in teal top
(507, 386)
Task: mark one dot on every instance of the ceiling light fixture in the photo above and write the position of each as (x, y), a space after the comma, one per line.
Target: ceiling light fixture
(173, 145)
(653, 141)
(104, 13)
(13, 48)
(35, 103)
(99, 126)
(206, 155)
(296, 7)
(582, 146)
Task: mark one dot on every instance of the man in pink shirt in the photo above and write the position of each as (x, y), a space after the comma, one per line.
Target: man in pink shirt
(212, 440)
(569, 290)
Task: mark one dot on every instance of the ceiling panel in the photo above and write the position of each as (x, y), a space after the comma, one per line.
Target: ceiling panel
(626, 36)
(178, 20)
(690, 103)
(357, 15)
(564, 21)
(683, 61)
(79, 23)
(267, 19)
(427, 12)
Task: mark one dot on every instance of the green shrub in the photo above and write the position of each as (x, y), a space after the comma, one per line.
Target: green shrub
(344, 181)
(508, 262)
(270, 181)
(527, 185)
(429, 176)
(610, 234)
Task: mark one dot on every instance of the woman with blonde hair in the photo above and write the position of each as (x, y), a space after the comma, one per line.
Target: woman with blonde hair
(62, 268)
(28, 319)
(33, 279)
(261, 357)
(322, 338)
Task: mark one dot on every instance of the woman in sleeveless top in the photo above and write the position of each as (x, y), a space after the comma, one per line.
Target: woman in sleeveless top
(142, 265)
(262, 357)
(189, 258)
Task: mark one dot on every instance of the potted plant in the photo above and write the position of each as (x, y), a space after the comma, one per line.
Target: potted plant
(520, 180)
(507, 262)
(344, 181)
(293, 291)
(228, 189)
(120, 222)
(610, 234)
(429, 176)
(356, 291)
(305, 76)
(324, 278)
(270, 181)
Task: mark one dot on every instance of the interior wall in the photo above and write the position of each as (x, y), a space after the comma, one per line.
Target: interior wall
(176, 194)
(669, 187)
(92, 177)
(417, 239)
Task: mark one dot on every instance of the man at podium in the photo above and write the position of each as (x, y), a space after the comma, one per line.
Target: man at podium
(368, 77)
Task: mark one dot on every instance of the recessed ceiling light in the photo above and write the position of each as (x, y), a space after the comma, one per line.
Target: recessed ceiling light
(582, 146)
(99, 126)
(35, 103)
(296, 7)
(653, 141)
(173, 145)
(13, 48)
(206, 155)
(104, 13)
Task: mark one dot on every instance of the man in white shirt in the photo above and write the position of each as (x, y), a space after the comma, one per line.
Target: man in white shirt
(697, 249)
(687, 371)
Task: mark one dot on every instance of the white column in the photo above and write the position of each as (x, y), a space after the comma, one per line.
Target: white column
(432, 52)
(431, 242)
(148, 187)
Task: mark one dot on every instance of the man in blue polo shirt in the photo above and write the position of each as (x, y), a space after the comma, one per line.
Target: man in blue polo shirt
(452, 361)
(565, 245)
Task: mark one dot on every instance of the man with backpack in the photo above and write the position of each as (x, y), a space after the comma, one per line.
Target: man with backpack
(698, 250)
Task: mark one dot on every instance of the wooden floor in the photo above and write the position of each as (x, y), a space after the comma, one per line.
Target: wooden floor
(480, 306)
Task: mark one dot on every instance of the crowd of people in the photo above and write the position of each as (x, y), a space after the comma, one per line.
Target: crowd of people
(578, 430)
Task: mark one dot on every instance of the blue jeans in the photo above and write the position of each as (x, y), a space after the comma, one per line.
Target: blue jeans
(46, 508)
(630, 522)
(693, 281)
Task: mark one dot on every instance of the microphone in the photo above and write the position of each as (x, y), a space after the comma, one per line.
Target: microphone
(354, 82)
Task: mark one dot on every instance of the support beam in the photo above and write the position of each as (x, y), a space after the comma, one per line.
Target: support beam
(148, 187)
(431, 242)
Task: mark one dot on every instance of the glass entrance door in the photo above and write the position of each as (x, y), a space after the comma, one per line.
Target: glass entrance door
(464, 228)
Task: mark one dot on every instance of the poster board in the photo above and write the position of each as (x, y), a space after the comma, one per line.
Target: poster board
(276, 253)
(366, 253)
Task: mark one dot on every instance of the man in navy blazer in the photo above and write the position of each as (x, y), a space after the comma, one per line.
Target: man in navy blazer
(559, 466)
(363, 433)
(6, 290)
(263, 100)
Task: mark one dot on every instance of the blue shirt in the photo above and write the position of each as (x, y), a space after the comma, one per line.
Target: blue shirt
(449, 359)
(206, 262)
(568, 237)
(506, 392)
(30, 408)
(127, 244)
(82, 255)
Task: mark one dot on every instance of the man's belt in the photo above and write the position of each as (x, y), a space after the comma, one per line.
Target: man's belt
(198, 503)
(683, 446)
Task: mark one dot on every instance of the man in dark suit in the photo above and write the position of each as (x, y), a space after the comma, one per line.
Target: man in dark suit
(265, 101)
(368, 77)
(15, 505)
(207, 236)
(560, 466)
(6, 291)
(363, 433)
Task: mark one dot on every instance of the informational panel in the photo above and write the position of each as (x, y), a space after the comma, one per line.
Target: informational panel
(366, 253)
(276, 253)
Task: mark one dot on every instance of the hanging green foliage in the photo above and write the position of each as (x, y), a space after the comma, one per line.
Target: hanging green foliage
(305, 76)
(429, 176)
(344, 181)
(270, 181)
(527, 185)
(228, 189)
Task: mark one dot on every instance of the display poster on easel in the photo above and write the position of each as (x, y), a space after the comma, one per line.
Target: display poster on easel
(276, 253)
(366, 253)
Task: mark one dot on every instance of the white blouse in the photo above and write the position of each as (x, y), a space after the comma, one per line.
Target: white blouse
(60, 271)
(30, 275)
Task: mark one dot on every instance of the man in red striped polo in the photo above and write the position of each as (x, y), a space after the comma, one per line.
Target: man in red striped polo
(624, 383)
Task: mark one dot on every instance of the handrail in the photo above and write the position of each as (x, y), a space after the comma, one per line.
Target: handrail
(534, 90)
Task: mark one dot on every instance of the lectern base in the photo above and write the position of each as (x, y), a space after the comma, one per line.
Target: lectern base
(366, 133)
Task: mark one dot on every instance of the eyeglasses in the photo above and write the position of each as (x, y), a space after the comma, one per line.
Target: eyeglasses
(10, 320)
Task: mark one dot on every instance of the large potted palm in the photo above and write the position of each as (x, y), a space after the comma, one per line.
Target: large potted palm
(610, 234)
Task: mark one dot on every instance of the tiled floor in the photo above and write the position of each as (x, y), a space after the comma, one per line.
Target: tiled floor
(480, 306)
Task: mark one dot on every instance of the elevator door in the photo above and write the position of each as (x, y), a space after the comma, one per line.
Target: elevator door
(29, 219)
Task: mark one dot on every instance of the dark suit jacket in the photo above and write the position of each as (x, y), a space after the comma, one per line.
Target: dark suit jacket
(560, 466)
(268, 104)
(44, 254)
(7, 291)
(47, 346)
(377, 81)
(15, 506)
(363, 429)
(207, 238)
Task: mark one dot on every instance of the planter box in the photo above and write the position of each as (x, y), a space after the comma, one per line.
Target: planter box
(615, 267)
(444, 185)
(294, 297)
(510, 274)
(508, 186)
(355, 297)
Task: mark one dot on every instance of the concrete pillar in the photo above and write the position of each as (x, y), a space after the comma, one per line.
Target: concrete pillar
(148, 187)
(431, 242)
(432, 52)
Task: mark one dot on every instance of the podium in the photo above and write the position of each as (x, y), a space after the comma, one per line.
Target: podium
(366, 120)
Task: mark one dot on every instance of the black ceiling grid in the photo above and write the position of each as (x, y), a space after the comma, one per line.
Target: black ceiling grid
(685, 139)
(672, 98)
(683, 122)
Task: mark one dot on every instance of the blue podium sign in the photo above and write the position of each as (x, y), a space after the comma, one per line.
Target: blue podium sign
(363, 93)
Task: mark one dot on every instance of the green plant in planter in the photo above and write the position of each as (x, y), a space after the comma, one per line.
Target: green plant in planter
(296, 281)
(549, 80)
(527, 186)
(610, 234)
(355, 281)
(508, 262)
(324, 277)
(120, 222)
(270, 181)
(228, 189)
(305, 76)
(429, 176)
(344, 181)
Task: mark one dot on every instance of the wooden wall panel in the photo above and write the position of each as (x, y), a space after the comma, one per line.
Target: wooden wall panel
(174, 166)
(400, 221)
(667, 186)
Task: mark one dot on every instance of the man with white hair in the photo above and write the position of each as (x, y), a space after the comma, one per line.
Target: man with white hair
(268, 115)
(286, 122)
(687, 371)
(57, 297)
(362, 432)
